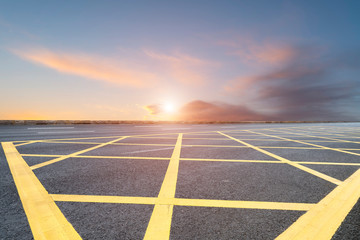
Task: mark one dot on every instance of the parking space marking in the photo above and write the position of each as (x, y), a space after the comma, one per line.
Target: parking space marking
(322, 221)
(288, 206)
(311, 144)
(26, 143)
(160, 221)
(325, 215)
(73, 154)
(45, 218)
(299, 166)
(334, 139)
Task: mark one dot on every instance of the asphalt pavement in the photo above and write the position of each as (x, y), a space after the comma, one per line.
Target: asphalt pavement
(181, 181)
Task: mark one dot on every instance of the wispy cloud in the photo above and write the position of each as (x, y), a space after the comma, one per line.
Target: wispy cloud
(184, 68)
(258, 52)
(87, 66)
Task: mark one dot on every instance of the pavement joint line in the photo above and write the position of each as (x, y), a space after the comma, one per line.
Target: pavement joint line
(322, 221)
(73, 154)
(160, 221)
(311, 144)
(45, 218)
(299, 166)
(197, 159)
(288, 206)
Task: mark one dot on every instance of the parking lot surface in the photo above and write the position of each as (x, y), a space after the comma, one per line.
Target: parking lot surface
(218, 181)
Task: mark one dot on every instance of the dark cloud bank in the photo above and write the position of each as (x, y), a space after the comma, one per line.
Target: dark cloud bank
(311, 86)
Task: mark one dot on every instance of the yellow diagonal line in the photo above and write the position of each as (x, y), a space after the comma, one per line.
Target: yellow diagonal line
(334, 139)
(306, 143)
(184, 202)
(45, 218)
(160, 221)
(322, 221)
(306, 169)
(74, 154)
(26, 143)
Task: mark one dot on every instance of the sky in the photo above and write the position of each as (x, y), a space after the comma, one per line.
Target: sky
(180, 60)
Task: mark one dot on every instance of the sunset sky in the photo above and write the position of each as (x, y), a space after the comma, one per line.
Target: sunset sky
(180, 60)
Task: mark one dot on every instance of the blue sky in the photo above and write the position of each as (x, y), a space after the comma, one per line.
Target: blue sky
(211, 60)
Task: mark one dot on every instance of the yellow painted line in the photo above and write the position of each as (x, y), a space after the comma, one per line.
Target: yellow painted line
(125, 157)
(310, 144)
(243, 204)
(229, 160)
(26, 143)
(125, 144)
(350, 149)
(60, 139)
(315, 148)
(329, 163)
(184, 145)
(102, 199)
(333, 139)
(40, 155)
(105, 157)
(196, 159)
(210, 139)
(160, 221)
(73, 154)
(306, 169)
(45, 218)
(185, 202)
(322, 221)
(212, 146)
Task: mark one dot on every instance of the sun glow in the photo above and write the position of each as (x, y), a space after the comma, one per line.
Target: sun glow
(169, 108)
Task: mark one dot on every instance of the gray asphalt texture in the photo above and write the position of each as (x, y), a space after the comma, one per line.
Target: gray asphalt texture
(196, 179)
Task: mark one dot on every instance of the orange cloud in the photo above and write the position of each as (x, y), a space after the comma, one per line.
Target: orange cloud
(88, 66)
(266, 53)
(252, 51)
(184, 68)
(154, 109)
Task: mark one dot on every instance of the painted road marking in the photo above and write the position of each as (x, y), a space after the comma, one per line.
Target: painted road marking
(45, 218)
(306, 169)
(184, 202)
(73, 154)
(197, 159)
(160, 221)
(334, 139)
(171, 201)
(322, 221)
(25, 143)
(311, 144)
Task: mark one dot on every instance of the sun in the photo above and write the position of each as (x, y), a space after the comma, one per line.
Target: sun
(169, 107)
